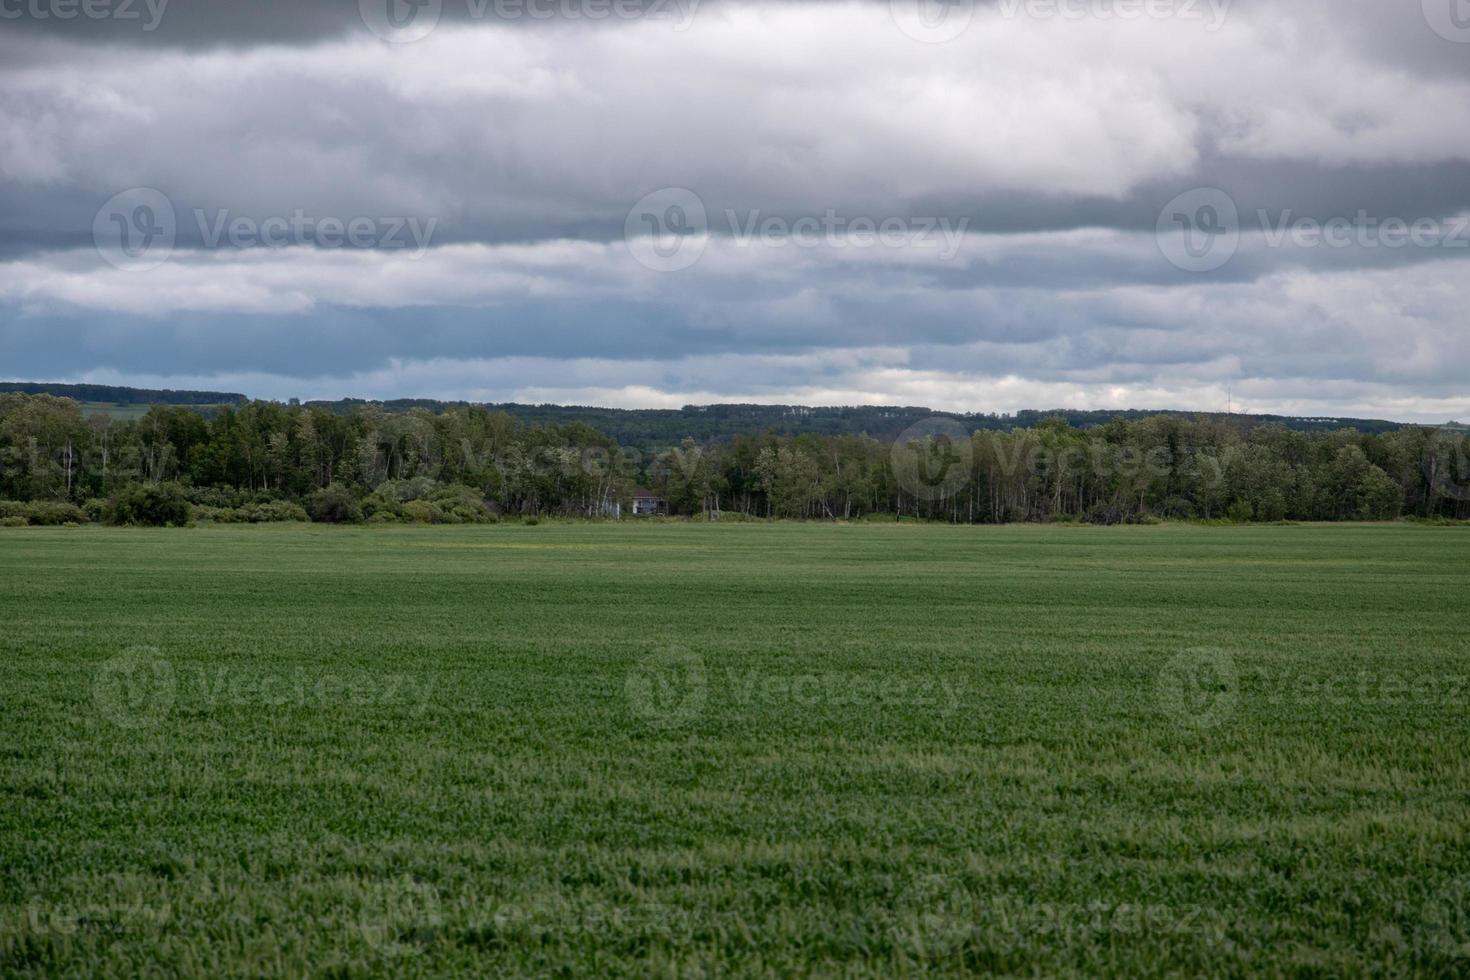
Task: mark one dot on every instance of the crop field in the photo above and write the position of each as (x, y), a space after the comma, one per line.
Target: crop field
(692, 749)
(132, 412)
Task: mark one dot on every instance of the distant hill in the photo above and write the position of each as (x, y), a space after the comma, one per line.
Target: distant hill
(125, 396)
(703, 422)
(699, 422)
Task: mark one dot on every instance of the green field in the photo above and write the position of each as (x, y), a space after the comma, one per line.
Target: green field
(695, 749)
(133, 411)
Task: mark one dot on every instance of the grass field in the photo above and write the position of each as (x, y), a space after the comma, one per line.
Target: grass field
(634, 749)
(132, 412)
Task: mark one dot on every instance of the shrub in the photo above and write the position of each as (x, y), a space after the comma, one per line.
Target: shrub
(382, 506)
(13, 522)
(423, 512)
(149, 505)
(266, 513)
(273, 511)
(95, 508)
(216, 498)
(333, 504)
(422, 502)
(1241, 512)
(50, 512)
(460, 504)
(39, 512)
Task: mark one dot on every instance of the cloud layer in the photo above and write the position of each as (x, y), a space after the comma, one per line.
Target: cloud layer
(514, 148)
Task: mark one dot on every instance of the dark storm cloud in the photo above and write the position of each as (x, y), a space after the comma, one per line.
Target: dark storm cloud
(244, 23)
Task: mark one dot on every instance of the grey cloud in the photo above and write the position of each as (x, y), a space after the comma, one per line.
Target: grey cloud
(555, 140)
(204, 24)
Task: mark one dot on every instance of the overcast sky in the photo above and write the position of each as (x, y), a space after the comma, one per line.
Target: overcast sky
(971, 206)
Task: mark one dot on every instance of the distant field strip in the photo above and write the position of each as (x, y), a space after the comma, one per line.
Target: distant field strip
(637, 749)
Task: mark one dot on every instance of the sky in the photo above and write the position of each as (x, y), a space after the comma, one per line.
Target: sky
(972, 206)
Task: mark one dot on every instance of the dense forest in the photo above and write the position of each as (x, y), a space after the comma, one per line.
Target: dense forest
(264, 461)
(125, 396)
(668, 426)
(643, 426)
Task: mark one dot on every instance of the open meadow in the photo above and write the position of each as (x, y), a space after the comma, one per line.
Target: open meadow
(702, 749)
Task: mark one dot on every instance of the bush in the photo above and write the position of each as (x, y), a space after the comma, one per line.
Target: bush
(95, 508)
(1240, 512)
(14, 522)
(47, 512)
(149, 505)
(423, 512)
(333, 504)
(274, 511)
(41, 512)
(460, 504)
(216, 498)
(422, 502)
(382, 507)
(266, 513)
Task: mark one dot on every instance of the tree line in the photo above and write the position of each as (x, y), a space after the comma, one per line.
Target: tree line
(263, 460)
